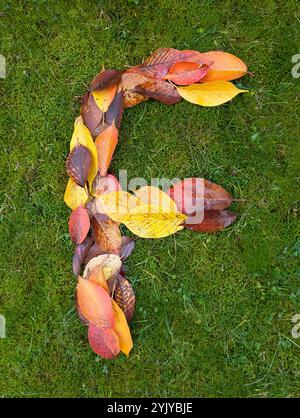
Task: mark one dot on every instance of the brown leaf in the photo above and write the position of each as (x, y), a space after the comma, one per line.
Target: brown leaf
(115, 111)
(78, 164)
(106, 233)
(91, 114)
(104, 342)
(159, 90)
(213, 221)
(128, 82)
(80, 253)
(124, 296)
(106, 78)
(127, 246)
(79, 224)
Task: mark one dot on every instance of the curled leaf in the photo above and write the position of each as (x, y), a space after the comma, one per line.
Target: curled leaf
(96, 275)
(78, 164)
(209, 94)
(75, 195)
(104, 342)
(110, 264)
(115, 111)
(79, 225)
(124, 296)
(127, 246)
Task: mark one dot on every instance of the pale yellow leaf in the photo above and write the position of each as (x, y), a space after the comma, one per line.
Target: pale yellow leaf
(155, 196)
(212, 93)
(81, 136)
(110, 263)
(75, 195)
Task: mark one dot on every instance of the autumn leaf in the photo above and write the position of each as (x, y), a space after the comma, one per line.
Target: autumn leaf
(104, 342)
(194, 194)
(124, 296)
(94, 303)
(105, 79)
(115, 111)
(79, 225)
(94, 251)
(82, 136)
(116, 202)
(91, 115)
(106, 144)
(104, 185)
(209, 94)
(128, 82)
(185, 73)
(75, 195)
(213, 221)
(104, 97)
(155, 196)
(110, 264)
(159, 90)
(80, 253)
(121, 329)
(223, 66)
(106, 233)
(78, 164)
(96, 275)
(127, 246)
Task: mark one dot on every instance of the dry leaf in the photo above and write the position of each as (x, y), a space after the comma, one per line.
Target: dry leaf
(104, 342)
(104, 97)
(79, 225)
(122, 330)
(209, 94)
(110, 263)
(78, 164)
(105, 79)
(127, 246)
(124, 296)
(106, 144)
(106, 233)
(115, 111)
(80, 253)
(91, 114)
(159, 90)
(75, 195)
(96, 275)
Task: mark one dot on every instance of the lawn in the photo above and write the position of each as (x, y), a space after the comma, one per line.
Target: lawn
(213, 315)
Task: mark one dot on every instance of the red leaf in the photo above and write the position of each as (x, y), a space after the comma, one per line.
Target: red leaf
(104, 342)
(159, 90)
(185, 73)
(78, 164)
(105, 78)
(91, 114)
(196, 194)
(80, 253)
(213, 221)
(79, 224)
(94, 303)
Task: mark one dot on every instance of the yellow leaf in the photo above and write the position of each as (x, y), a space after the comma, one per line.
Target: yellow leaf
(212, 93)
(103, 98)
(116, 202)
(81, 136)
(155, 196)
(75, 195)
(122, 329)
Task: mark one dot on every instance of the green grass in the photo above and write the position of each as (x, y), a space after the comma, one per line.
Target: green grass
(213, 315)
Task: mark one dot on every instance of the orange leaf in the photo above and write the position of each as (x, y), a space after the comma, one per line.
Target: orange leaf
(106, 144)
(79, 224)
(106, 233)
(122, 329)
(185, 73)
(94, 303)
(104, 342)
(104, 97)
(223, 66)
